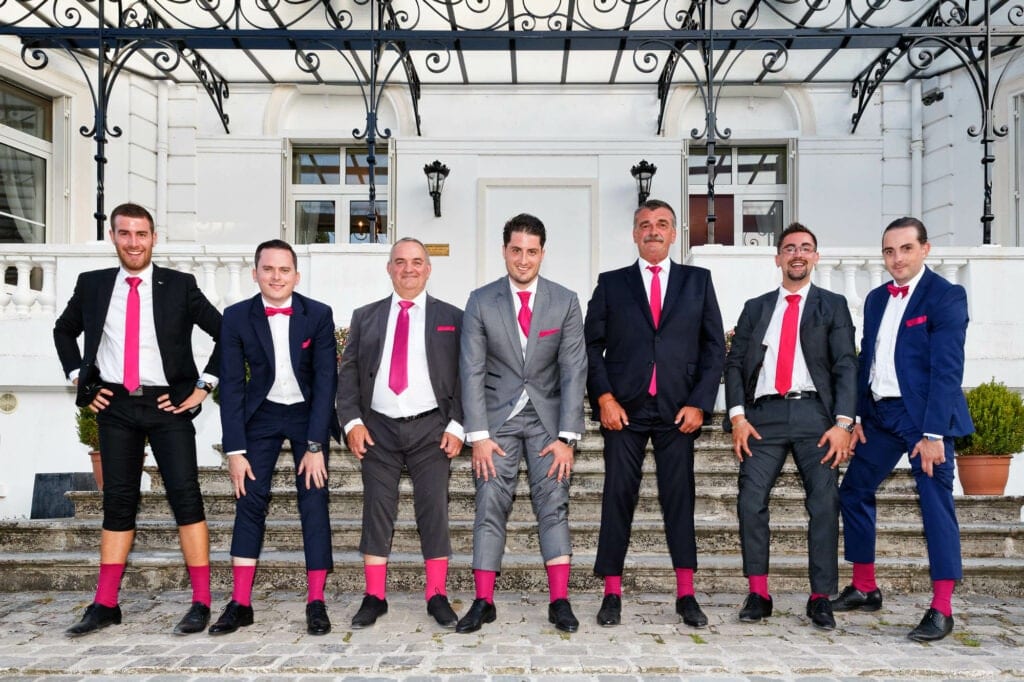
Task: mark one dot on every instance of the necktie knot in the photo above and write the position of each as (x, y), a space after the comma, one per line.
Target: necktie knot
(405, 305)
(895, 291)
(655, 269)
(133, 282)
(793, 298)
(525, 314)
(278, 311)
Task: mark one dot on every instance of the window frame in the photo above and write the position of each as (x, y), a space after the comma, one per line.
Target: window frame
(40, 148)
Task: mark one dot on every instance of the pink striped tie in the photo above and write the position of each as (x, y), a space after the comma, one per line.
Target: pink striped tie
(131, 335)
(398, 377)
(656, 314)
(525, 314)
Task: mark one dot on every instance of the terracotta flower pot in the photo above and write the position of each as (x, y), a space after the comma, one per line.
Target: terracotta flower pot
(984, 474)
(97, 468)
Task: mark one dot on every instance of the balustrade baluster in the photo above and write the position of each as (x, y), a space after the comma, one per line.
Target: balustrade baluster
(23, 297)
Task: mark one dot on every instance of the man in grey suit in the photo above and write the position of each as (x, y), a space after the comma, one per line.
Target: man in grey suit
(523, 367)
(399, 404)
(790, 385)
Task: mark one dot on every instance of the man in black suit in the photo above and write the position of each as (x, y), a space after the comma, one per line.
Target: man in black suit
(790, 386)
(137, 372)
(399, 402)
(656, 346)
(286, 341)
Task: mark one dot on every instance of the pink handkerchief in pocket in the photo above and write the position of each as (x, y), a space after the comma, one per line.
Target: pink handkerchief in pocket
(548, 332)
(914, 321)
(446, 328)
(307, 343)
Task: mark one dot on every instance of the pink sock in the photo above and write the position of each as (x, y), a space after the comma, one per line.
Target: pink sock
(942, 595)
(864, 577)
(200, 579)
(376, 579)
(758, 585)
(437, 577)
(109, 584)
(818, 595)
(558, 581)
(485, 584)
(613, 585)
(243, 577)
(684, 582)
(316, 579)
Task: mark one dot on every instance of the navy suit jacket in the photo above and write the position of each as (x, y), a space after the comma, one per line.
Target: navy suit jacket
(246, 339)
(178, 305)
(929, 355)
(826, 338)
(623, 344)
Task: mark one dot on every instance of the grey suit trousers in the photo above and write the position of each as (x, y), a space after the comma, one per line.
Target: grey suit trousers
(521, 437)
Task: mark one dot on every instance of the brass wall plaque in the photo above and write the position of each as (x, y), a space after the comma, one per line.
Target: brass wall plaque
(437, 249)
(8, 402)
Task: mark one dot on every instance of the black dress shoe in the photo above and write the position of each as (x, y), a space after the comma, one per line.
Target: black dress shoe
(96, 616)
(371, 609)
(196, 620)
(560, 613)
(441, 610)
(235, 616)
(479, 613)
(689, 609)
(611, 611)
(820, 612)
(933, 627)
(755, 608)
(317, 622)
(852, 599)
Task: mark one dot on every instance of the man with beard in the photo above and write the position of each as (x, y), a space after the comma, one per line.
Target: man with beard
(790, 386)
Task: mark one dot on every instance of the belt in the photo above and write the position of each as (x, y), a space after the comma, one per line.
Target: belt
(121, 391)
(414, 417)
(792, 395)
(887, 400)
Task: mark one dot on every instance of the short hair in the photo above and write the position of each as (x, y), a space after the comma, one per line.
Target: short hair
(908, 221)
(130, 210)
(276, 244)
(654, 204)
(795, 228)
(524, 222)
(391, 254)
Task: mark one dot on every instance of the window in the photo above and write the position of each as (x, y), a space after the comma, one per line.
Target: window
(751, 194)
(330, 195)
(26, 149)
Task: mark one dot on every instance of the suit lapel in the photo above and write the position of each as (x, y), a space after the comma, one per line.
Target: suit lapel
(430, 323)
(635, 284)
(260, 325)
(764, 318)
(296, 330)
(103, 292)
(540, 304)
(812, 311)
(672, 293)
(506, 308)
(161, 306)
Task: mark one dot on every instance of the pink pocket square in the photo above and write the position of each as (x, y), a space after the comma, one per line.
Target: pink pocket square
(913, 322)
(548, 332)
(446, 328)
(307, 343)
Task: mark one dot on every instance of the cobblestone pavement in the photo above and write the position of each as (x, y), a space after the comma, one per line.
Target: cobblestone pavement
(987, 643)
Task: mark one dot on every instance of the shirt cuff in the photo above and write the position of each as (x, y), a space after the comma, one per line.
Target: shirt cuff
(236, 452)
(933, 436)
(474, 436)
(210, 379)
(455, 428)
(737, 411)
(352, 424)
(569, 435)
(73, 374)
(843, 416)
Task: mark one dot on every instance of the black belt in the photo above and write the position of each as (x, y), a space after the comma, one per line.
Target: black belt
(120, 391)
(888, 400)
(792, 395)
(414, 417)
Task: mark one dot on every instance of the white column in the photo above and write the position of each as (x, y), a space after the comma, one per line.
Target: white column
(234, 292)
(950, 269)
(209, 279)
(850, 268)
(48, 295)
(823, 272)
(23, 296)
(5, 296)
(875, 270)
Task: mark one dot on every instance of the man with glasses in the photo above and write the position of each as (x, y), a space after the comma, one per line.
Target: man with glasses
(790, 386)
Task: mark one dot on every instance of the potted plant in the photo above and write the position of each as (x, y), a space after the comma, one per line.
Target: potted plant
(983, 458)
(89, 435)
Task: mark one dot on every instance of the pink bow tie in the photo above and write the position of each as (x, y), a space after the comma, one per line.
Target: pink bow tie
(895, 291)
(276, 311)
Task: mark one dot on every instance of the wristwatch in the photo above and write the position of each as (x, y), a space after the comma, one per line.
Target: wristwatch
(313, 446)
(845, 427)
(934, 438)
(205, 385)
(571, 442)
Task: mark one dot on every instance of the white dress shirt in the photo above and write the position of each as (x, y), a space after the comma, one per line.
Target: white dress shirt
(648, 277)
(884, 383)
(110, 354)
(285, 389)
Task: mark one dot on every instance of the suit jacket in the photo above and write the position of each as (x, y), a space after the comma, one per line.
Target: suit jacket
(929, 355)
(178, 304)
(246, 339)
(494, 371)
(364, 353)
(623, 344)
(826, 338)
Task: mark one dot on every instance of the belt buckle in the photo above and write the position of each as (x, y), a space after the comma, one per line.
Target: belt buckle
(137, 393)
(793, 395)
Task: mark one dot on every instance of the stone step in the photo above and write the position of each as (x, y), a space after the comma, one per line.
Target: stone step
(896, 538)
(159, 571)
(711, 504)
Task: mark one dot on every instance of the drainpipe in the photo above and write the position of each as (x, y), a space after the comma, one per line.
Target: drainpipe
(161, 158)
(916, 149)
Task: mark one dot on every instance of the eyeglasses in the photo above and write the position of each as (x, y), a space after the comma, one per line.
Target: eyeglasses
(802, 249)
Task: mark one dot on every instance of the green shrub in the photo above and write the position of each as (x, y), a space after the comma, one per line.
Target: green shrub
(88, 431)
(998, 415)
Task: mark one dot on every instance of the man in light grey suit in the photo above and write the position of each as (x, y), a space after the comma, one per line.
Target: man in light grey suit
(523, 368)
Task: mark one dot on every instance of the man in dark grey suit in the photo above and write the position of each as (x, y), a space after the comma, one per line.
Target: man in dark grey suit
(400, 406)
(790, 386)
(523, 367)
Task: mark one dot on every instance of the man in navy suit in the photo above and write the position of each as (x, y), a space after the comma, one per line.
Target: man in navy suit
(400, 403)
(137, 372)
(285, 342)
(910, 399)
(790, 386)
(656, 347)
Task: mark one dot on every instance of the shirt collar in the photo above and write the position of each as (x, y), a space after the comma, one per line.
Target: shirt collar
(802, 292)
(664, 265)
(914, 282)
(267, 304)
(532, 288)
(420, 301)
(146, 275)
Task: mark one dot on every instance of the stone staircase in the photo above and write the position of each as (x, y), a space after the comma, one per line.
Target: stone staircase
(61, 554)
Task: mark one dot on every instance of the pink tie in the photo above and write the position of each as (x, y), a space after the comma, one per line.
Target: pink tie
(398, 378)
(524, 312)
(131, 335)
(656, 315)
(787, 345)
